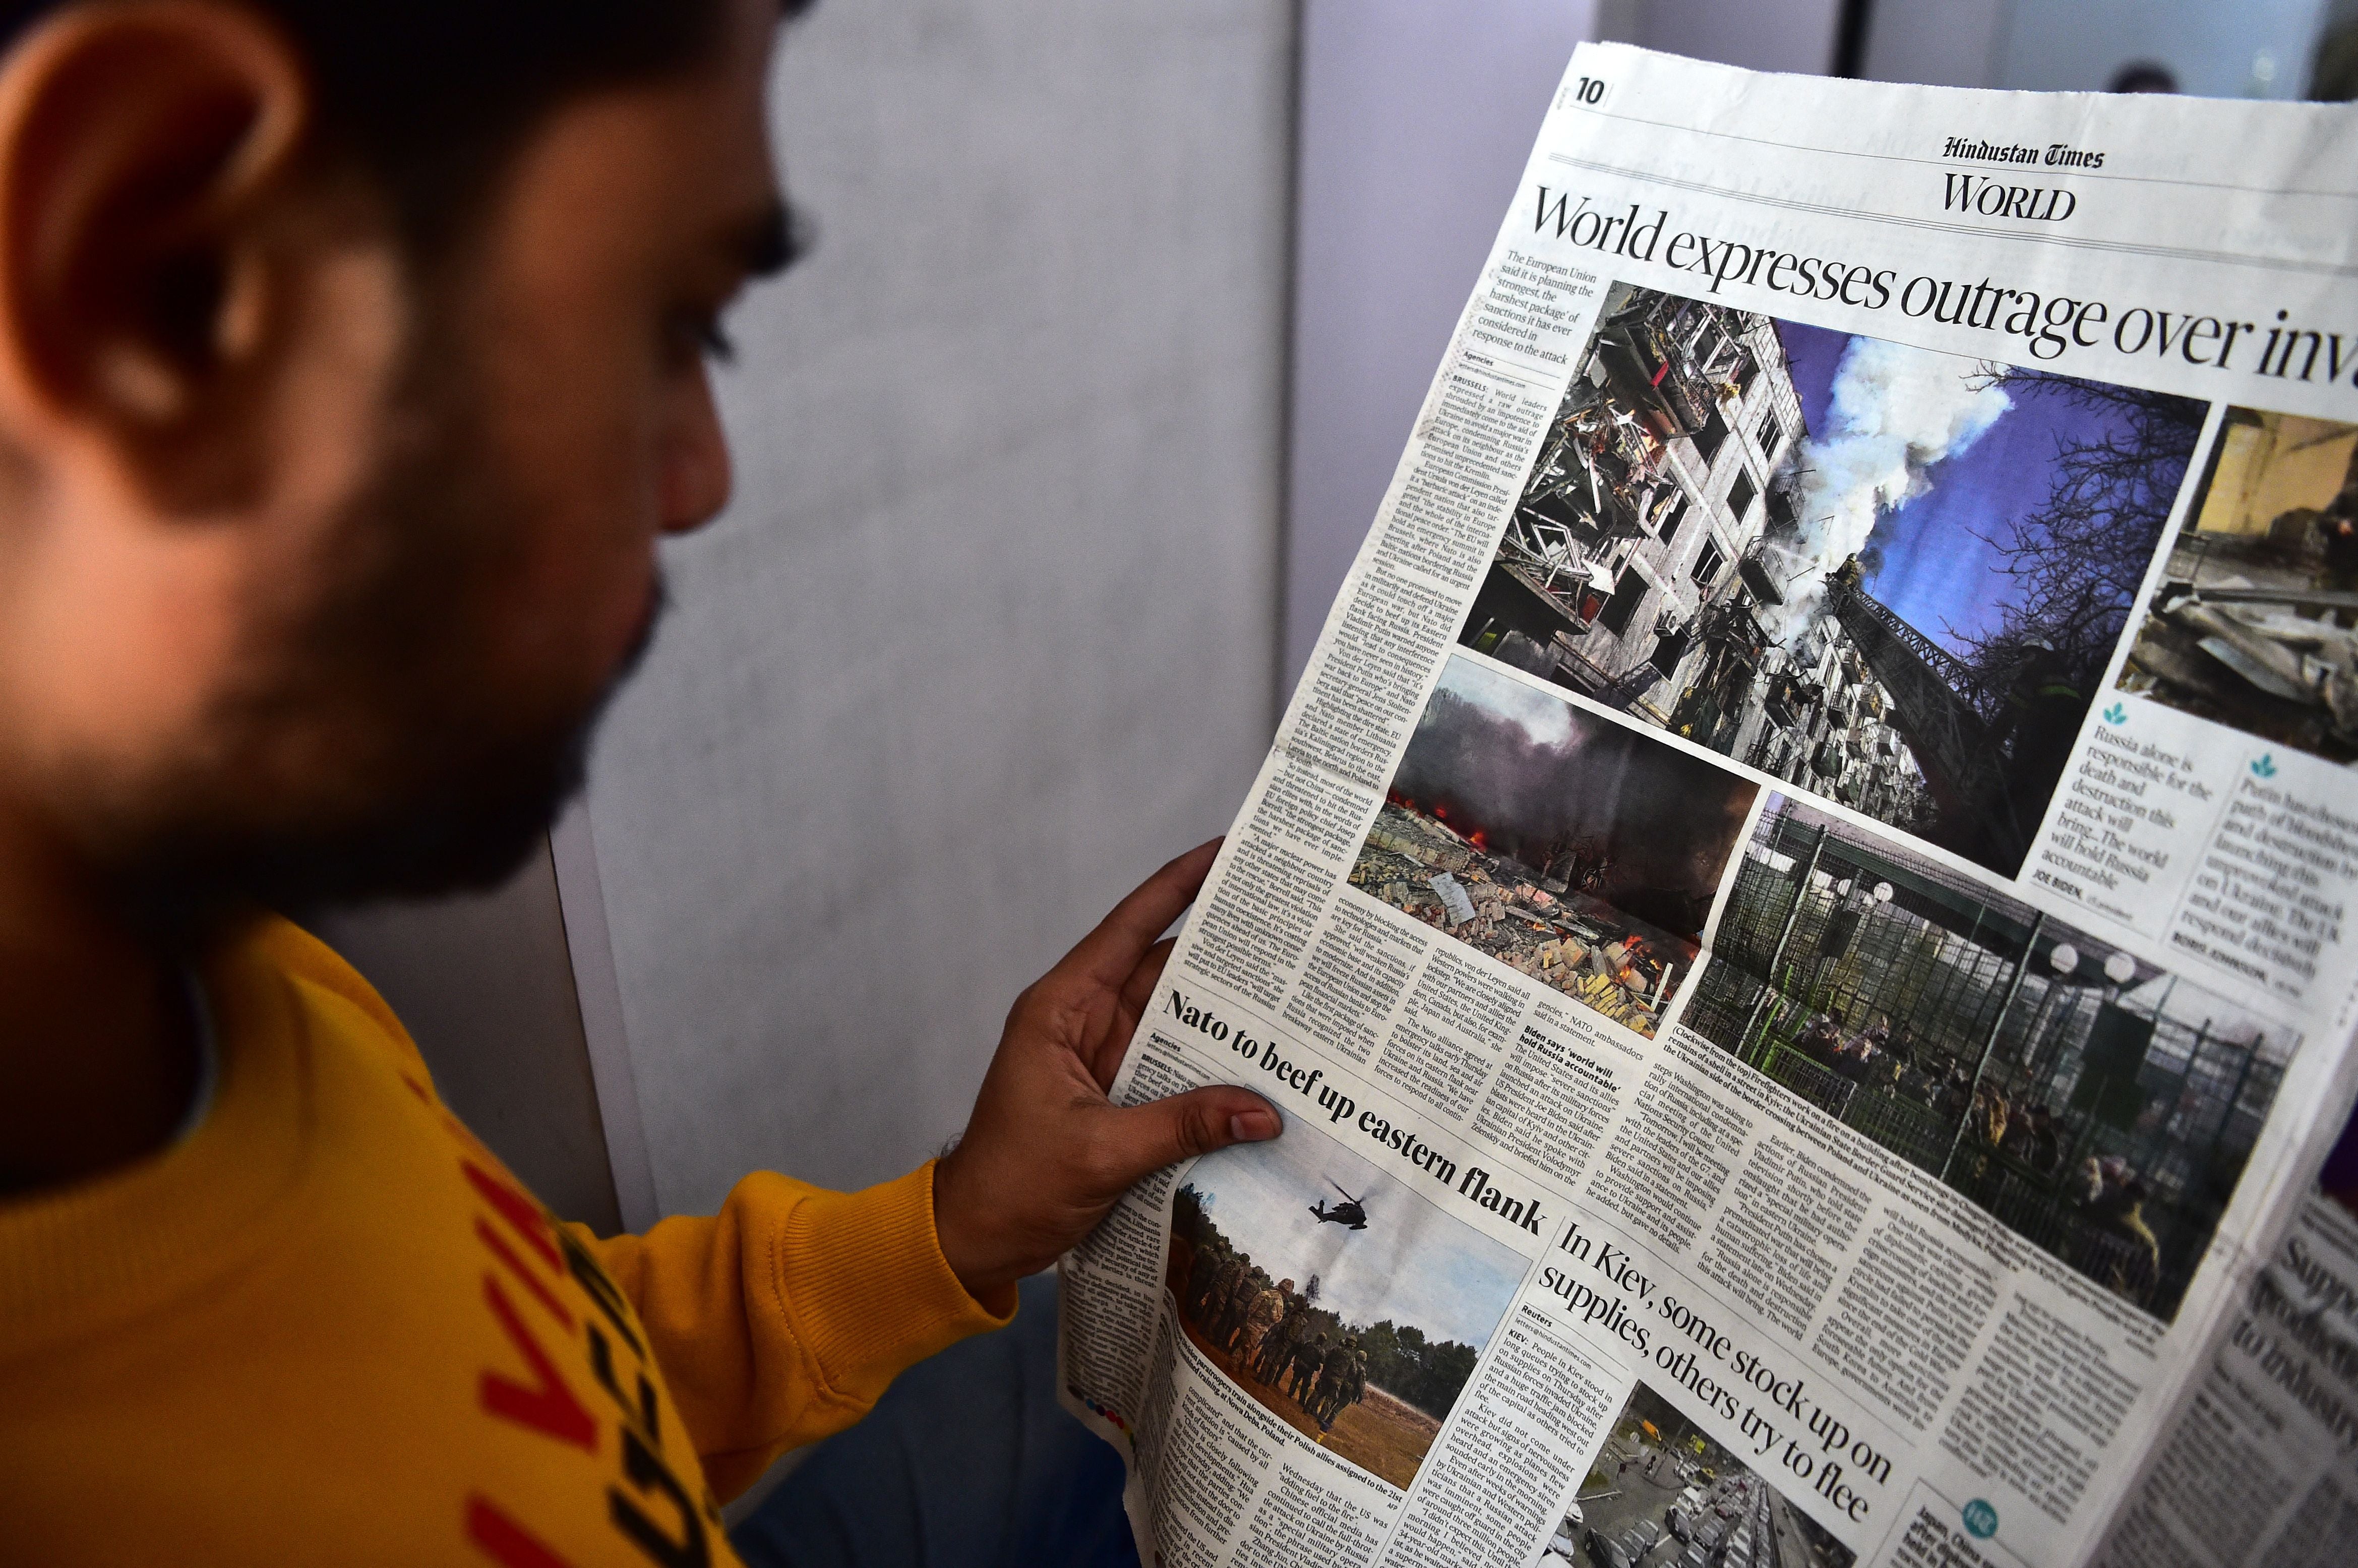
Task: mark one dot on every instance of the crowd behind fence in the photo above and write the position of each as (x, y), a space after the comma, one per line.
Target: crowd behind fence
(1936, 1027)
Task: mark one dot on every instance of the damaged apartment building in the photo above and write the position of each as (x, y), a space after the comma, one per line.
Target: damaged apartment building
(1631, 551)
(1640, 570)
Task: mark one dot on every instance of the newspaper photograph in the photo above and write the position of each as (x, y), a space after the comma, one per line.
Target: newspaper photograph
(1894, 543)
(1797, 920)
(2251, 626)
(1358, 1324)
(1661, 1485)
(1569, 847)
(2100, 1107)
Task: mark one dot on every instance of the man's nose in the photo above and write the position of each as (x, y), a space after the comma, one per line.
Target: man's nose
(697, 473)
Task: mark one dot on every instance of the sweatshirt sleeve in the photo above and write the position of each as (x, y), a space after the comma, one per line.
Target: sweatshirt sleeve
(783, 1318)
(776, 1322)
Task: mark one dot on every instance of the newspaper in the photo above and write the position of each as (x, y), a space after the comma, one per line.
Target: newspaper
(1798, 918)
(2262, 1465)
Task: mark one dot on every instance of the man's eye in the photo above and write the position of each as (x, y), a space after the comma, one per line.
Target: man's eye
(714, 338)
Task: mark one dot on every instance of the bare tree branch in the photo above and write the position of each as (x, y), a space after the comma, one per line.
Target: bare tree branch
(2078, 559)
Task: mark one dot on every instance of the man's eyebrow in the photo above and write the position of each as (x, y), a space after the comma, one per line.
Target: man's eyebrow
(773, 242)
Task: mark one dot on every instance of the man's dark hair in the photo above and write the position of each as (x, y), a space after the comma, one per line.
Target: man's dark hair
(428, 96)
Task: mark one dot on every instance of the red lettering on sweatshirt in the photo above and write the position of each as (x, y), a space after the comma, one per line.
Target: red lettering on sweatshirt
(530, 1281)
(550, 1408)
(523, 1215)
(505, 1540)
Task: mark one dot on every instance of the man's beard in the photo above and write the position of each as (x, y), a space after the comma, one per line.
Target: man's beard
(362, 753)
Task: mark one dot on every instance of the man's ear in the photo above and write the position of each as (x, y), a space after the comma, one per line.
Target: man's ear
(141, 147)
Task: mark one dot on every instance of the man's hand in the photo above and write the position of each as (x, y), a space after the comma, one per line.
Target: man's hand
(1045, 1153)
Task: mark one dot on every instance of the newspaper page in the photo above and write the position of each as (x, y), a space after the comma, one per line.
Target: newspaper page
(1798, 918)
(2262, 1465)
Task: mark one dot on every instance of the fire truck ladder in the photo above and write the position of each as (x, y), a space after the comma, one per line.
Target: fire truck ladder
(1928, 686)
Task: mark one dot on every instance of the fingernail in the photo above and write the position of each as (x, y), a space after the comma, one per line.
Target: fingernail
(1252, 1126)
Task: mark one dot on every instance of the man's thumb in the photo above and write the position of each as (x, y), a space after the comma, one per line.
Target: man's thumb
(1165, 1132)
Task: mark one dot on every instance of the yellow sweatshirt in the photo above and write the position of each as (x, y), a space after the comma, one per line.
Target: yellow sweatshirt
(328, 1327)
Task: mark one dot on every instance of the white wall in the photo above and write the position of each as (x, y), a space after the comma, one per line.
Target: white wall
(1417, 118)
(990, 629)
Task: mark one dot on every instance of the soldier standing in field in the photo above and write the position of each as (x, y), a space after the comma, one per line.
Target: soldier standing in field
(1341, 1383)
(1261, 1316)
(1355, 1389)
(1220, 1274)
(1202, 1268)
(1215, 1310)
(1277, 1348)
(1308, 1358)
(1219, 1277)
(1241, 1299)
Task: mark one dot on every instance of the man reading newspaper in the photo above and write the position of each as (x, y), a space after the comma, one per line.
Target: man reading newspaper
(353, 361)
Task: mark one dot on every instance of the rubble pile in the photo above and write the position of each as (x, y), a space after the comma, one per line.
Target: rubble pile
(2265, 667)
(1578, 945)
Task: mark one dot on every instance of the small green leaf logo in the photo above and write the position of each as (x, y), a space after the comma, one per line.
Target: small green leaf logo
(2265, 768)
(2118, 713)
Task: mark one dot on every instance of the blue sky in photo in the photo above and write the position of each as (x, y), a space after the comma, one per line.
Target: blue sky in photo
(1934, 570)
(1414, 1263)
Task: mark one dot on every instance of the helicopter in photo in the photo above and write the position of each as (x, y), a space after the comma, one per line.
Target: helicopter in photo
(1351, 1212)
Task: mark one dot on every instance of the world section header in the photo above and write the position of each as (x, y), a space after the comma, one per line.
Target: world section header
(2049, 324)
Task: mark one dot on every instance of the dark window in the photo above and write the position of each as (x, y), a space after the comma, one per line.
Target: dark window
(1616, 615)
(1707, 565)
(1669, 529)
(1771, 435)
(1715, 432)
(1740, 494)
(1668, 651)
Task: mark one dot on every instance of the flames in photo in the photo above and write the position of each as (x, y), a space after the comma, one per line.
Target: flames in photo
(1572, 848)
(1888, 576)
(1348, 1304)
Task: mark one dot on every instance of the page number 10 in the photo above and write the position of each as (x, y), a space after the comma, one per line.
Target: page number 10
(1588, 90)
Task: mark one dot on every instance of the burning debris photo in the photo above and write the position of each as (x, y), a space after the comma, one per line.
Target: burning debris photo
(1569, 847)
(2252, 625)
(1888, 576)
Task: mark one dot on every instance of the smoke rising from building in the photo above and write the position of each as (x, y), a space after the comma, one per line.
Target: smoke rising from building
(1530, 788)
(1896, 412)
